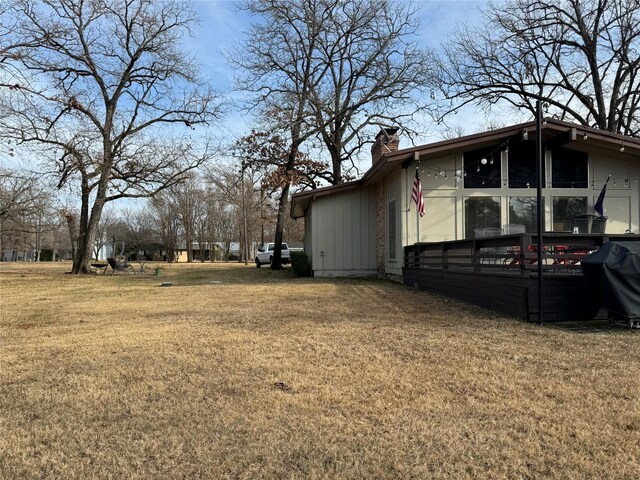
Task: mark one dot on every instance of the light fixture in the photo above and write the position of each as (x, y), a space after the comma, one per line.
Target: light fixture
(622, 146)
(585, 136)
(525, 135)
(458, 172)
(478, 169)
(483, 161)
(491, 159)
(443, 173)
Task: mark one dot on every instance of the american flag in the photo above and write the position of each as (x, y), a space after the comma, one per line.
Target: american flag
(416, 194)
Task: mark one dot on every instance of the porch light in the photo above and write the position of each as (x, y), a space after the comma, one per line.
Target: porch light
(585, 136)
(483, 161)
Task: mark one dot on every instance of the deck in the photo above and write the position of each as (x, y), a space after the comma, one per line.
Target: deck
(501, 273)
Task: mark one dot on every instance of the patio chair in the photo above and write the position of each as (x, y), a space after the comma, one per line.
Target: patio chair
(119, 266)
(488, 254)
(588, 223)
(599, 224)
(513, 252)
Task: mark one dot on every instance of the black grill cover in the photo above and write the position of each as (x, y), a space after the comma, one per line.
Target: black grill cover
(613, 273)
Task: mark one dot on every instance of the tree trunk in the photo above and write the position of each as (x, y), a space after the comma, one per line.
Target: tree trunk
(276, 263)
(336, 165)
(189, 241)
(87, 238)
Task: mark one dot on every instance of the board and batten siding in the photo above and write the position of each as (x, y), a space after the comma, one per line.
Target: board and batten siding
(343, 229)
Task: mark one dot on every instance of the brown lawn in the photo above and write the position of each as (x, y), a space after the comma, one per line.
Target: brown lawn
(268, 376)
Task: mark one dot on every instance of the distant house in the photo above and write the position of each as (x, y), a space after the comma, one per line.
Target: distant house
(475, 182)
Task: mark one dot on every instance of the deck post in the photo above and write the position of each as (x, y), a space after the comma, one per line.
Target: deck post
(539, 165)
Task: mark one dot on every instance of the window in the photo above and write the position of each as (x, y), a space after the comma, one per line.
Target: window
(564, 209)
(479, 174)
(522, 165)
(391, 229)
(481, 212)
(569, 169)
(523, 211)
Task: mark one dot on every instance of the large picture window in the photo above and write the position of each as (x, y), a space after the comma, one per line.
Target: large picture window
(391, 229)
(480, 213)
(569, 169)
(564, 209)
(522, 165)
(523, 211)
(482, 168)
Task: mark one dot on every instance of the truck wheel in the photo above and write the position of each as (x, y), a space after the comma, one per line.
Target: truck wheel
(258, 263)
(270, 260)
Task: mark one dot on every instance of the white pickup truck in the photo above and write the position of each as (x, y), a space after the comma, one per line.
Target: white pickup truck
(265, 254)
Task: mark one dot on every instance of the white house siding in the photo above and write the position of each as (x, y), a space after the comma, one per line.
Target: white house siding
(622, 201)
(444, 198)
(393, 192)
(342, 233)
(308, 239)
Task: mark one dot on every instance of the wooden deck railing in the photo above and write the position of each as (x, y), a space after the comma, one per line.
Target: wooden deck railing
(509, 254)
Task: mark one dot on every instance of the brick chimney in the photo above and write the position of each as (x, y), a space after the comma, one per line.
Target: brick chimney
(386, 141)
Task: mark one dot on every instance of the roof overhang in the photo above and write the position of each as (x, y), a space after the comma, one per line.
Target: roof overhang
(300, 201)
(555, 133)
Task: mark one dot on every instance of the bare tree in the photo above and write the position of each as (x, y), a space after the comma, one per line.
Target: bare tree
(376, 74)
(236, 204)
(27, 209)
(580, 57)
(167, 225)
(97, 82)
(278, 66)
(138, 233)
(186, 197)
(101, 238)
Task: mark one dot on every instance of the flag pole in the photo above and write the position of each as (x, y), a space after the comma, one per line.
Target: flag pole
(417, 209)
(539, 165)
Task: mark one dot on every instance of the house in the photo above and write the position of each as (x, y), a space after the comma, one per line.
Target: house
(470, 184)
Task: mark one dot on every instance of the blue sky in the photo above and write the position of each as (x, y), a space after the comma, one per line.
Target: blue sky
(222, 27)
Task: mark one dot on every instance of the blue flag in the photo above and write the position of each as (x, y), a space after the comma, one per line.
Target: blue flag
(599, 205)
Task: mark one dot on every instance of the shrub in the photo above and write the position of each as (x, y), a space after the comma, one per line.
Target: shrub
(46, 255)
(300, 264)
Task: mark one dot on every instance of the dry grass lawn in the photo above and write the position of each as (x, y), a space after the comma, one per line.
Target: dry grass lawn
(268, 376)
